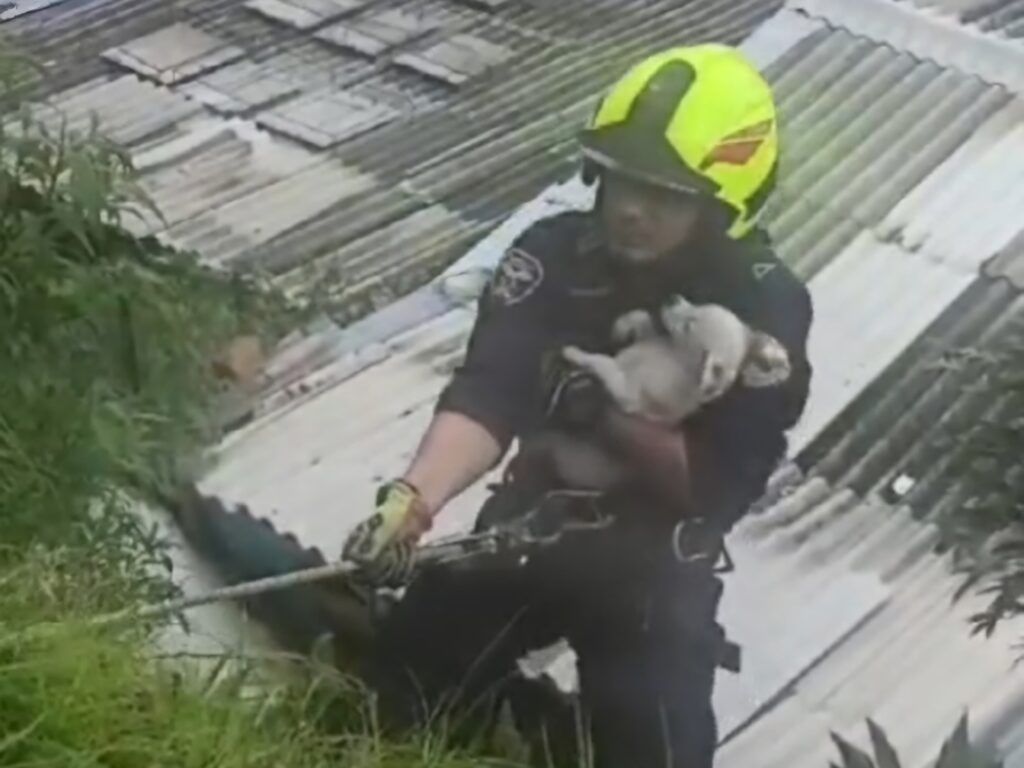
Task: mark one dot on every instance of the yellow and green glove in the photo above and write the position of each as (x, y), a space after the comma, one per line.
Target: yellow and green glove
(384, 544)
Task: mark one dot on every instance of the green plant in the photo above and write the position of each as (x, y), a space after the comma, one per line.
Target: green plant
(79, 696)
(956, 751)
(105, 382)
(986, 530)
(105, 342)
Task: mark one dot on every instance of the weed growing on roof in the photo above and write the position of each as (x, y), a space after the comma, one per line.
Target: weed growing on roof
(105, 344)
(105, 340)
(956, 752)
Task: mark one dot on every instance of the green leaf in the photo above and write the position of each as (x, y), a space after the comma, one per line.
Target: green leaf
(885, 755)
(86, 186)
(957, 752)
(75, 225)
(851, 755)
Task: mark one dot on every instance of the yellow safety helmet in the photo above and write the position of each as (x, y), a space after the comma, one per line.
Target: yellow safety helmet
(699, 119)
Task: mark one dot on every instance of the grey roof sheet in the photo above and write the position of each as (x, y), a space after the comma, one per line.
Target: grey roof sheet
(440, 149)
(15, 8)
(1005, 17)
(911, 666)
(928, 34)
(843, 606)
(863, 125)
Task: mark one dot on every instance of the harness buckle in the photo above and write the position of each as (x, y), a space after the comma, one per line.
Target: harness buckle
(694, 541)
(563, 511)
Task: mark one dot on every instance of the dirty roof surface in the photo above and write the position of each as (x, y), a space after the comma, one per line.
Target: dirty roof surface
(899, 204)
(357, 146)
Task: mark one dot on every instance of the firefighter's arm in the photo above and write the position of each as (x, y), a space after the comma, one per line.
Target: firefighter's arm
(454, 453)
(488, 399)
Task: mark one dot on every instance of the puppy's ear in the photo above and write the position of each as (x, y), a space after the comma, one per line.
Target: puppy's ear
(676, 303)
(715, 379)
(767, 363)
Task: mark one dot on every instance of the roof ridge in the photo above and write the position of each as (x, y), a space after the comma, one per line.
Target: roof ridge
(925, 35)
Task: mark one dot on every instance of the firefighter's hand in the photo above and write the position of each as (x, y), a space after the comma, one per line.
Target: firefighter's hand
(575, 399)
(384, 544)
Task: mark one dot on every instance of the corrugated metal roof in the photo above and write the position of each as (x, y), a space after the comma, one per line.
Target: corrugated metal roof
(1003, 16)
(926, 34)
(174, 53)
(493, 148)
(1006, 16)
(843, 607)
(15, 8)
(895, 278)
(920, 281)
(864, 125)
(422, 121)
(912, 666)
(132, 112)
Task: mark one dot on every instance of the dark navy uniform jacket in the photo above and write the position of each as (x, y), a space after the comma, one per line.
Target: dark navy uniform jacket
(557, 285)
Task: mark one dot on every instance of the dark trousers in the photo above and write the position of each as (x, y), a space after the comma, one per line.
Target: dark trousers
(642, 625)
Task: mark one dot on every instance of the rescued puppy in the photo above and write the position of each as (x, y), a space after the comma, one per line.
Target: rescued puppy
(662, 377)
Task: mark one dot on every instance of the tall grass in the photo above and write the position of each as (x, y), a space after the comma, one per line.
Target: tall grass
(81, 697)
(105, 382)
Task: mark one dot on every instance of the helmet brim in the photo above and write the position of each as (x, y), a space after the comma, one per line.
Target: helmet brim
(654, 162)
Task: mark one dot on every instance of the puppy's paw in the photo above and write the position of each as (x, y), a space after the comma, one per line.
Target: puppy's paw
(632, 326)
(574, 355)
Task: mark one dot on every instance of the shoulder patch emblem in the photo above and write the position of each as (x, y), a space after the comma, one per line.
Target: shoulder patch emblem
(518, 275)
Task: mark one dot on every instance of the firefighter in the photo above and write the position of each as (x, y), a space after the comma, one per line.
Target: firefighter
(684, 152)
